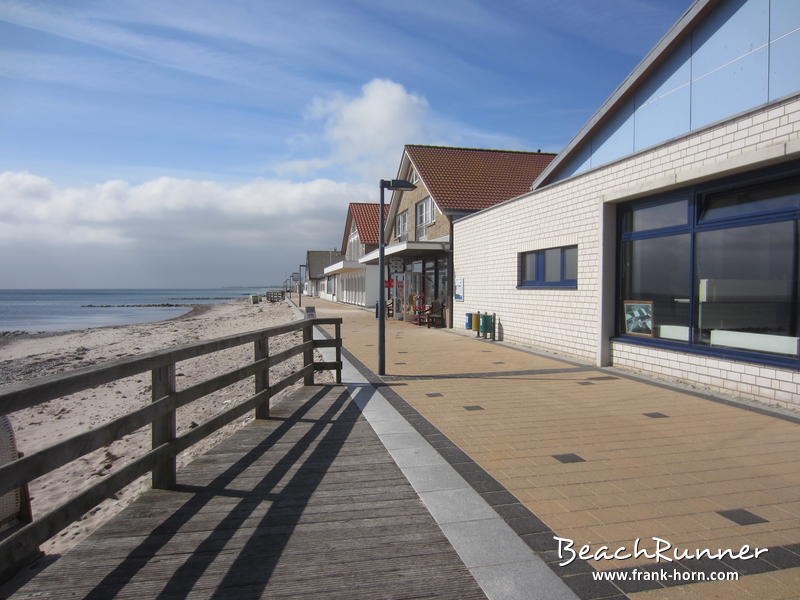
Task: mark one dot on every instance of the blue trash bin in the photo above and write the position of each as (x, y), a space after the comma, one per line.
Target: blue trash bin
(468, 324)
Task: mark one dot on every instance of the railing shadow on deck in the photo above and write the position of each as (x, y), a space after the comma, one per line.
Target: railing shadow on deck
(247, 577)
(18, 548)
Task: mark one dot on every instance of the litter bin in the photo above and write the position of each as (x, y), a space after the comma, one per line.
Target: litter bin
(486, 323)
(476, 321)
(468, 324)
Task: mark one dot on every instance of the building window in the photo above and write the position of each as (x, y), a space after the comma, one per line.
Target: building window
(401, 226)
(413, 177)
(714, 268)
(553, 267)
(355, 249)
(423, 212)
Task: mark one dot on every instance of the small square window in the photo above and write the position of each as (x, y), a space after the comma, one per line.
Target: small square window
(553, 267)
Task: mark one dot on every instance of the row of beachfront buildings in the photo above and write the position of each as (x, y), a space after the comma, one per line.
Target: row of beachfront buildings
(663, 239)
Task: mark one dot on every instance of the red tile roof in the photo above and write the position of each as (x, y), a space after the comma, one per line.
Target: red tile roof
(366, 217)
(472, 178)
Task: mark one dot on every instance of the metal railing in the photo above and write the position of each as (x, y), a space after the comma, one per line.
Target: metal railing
(17, 548)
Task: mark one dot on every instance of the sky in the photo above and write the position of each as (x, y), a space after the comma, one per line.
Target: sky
(198, 143)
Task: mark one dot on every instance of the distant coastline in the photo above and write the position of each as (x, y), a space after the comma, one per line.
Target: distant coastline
(45, 312)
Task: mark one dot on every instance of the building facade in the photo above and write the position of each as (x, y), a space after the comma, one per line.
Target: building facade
(664, 238)
(350, 281)
(451, 182)
(315, 280)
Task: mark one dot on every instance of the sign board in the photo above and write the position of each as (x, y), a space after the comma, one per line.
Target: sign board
(389, 283)
(395, 265)
(458, 292)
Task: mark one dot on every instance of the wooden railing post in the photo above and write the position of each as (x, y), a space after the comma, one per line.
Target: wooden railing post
(163, 429)
(262, 377)
(308, 354)
(338, 352)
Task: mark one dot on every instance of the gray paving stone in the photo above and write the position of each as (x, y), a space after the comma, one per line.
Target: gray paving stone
(522, 581)
(486, 542)
(417, 457)
(394, 441)
(452, 506)
(433, 478)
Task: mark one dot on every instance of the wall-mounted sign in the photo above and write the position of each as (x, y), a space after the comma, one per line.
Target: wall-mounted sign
(458, 292)
(395, 265)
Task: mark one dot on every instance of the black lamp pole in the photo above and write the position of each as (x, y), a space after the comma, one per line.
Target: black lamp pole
(394, 184)
(300, 289)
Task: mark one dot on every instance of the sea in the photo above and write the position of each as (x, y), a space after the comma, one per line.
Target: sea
(46, 311)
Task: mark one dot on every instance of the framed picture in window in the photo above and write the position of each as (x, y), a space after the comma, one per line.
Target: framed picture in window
(639, 317)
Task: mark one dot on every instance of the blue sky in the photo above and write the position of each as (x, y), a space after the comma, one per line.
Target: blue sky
(137, 134)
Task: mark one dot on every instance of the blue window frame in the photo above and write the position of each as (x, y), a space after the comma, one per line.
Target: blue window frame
(715, 268)
(548, 268)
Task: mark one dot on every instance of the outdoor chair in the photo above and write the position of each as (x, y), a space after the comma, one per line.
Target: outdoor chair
(433, 314)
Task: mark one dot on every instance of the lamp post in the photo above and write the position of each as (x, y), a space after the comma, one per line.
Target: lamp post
(394, 185)
(300, 293)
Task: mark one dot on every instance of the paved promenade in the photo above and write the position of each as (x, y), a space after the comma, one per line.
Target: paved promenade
(451, 477)
(308, 504)
(602, 459)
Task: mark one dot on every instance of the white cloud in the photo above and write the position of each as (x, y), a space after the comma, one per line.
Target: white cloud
(34, 209)
(366, 134)
(301, 167)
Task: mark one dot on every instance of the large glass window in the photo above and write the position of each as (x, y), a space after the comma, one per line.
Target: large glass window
(553, 267)
(752, 199)
(656, 215)
(724, 281)
(656, 281)
(747, 288)
(441, 266)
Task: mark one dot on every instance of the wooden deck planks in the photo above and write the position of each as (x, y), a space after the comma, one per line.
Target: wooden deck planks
(306, 505)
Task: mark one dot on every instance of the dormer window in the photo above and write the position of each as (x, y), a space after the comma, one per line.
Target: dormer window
(423, 213)
(355, 249)
(401, 226)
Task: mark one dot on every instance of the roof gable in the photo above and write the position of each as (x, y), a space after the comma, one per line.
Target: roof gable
(365, 215)
(469, 179)
(720, 59)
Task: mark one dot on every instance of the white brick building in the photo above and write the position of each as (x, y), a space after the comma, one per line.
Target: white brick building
(664, 238)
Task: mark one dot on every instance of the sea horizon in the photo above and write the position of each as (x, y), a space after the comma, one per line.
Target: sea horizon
(50, 310)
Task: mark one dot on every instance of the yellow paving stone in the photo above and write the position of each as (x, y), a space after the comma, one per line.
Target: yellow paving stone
(642, 477)
(673, 593)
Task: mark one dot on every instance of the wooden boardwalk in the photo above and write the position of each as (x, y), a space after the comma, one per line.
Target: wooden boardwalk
(307, 504)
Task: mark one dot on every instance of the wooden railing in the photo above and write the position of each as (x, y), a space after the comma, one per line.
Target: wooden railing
(20, 545)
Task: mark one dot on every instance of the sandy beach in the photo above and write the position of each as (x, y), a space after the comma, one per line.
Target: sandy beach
(26, 358)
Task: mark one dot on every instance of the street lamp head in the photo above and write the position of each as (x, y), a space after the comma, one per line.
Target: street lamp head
(397, 185)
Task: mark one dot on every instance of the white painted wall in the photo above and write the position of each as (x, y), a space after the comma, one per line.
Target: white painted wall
(576, 322)
(359, 287)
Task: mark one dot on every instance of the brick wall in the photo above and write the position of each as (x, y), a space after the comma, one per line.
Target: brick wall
(780, 387)
(567, 321)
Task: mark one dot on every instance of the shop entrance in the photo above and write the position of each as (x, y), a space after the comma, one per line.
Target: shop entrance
(420, 283)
